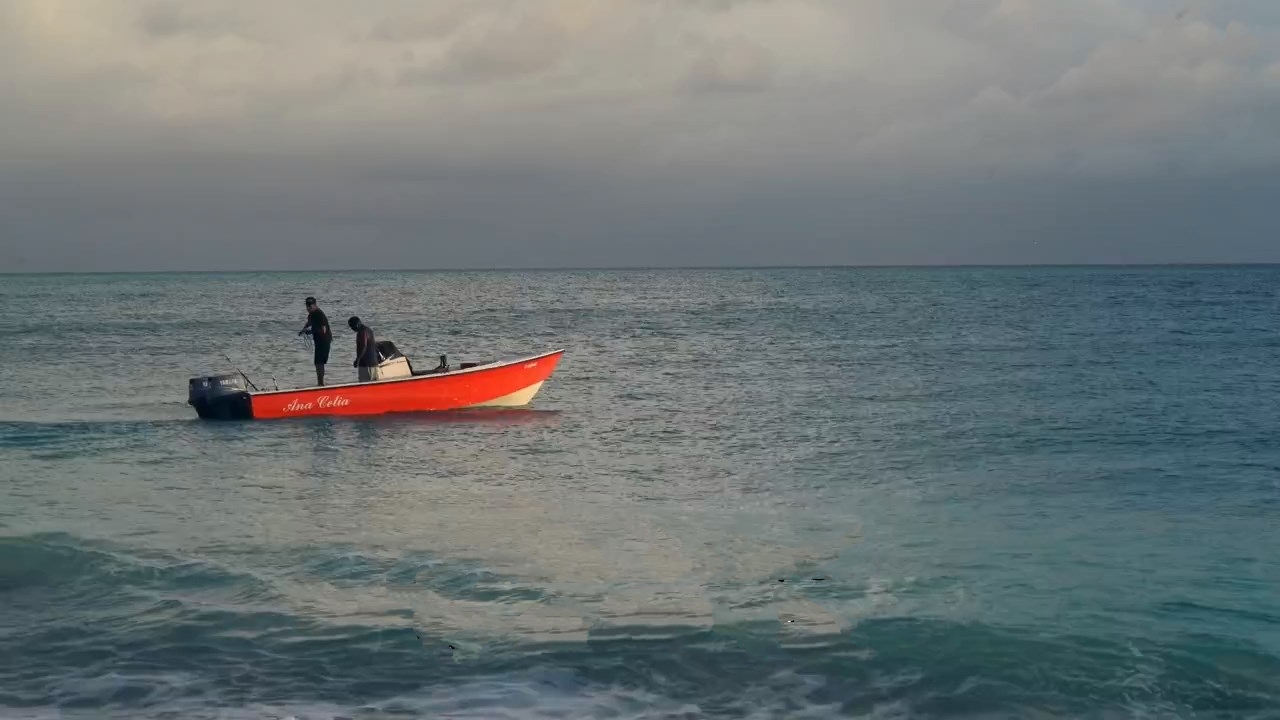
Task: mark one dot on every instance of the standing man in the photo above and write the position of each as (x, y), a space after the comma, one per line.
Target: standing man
(366, 350)
(321, 335)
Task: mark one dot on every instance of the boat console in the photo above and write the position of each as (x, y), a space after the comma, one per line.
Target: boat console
(391, 362)
(394, 364)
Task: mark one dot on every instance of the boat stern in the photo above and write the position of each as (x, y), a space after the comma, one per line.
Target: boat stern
(220, 397)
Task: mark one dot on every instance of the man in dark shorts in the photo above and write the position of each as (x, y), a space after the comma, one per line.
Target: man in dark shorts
(366, 350)
(321, 335)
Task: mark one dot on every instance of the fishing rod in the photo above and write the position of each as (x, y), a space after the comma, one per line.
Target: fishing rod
(246, 377)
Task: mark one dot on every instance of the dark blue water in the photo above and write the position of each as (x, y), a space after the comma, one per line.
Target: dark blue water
(792, 493)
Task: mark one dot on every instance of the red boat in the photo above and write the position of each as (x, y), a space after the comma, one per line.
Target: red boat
(397, 388)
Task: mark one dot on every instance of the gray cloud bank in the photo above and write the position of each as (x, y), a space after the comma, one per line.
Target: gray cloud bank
(499, 133)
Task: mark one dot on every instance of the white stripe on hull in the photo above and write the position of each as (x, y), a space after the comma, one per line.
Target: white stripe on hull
(519, 398)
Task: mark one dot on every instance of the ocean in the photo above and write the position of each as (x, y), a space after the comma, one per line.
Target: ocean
(792, 493)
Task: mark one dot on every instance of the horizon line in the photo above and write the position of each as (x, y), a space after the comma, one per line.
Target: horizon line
(634, 268)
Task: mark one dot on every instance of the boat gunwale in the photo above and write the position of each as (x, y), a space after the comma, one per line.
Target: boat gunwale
(494, 365)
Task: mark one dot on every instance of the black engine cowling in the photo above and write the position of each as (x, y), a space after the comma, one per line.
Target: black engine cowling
(219, 397)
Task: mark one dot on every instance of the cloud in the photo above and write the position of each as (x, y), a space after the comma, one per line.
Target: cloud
(496, 47)
(731, 66)
(495, 116)
(171, 19)
(426, 22)
(1181, 93)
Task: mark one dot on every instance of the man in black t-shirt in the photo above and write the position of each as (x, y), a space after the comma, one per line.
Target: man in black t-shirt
(321, 335)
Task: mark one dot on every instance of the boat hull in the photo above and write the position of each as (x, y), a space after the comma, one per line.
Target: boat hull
(512, 383)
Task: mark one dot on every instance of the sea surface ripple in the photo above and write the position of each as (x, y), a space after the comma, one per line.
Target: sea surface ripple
(1012, 492)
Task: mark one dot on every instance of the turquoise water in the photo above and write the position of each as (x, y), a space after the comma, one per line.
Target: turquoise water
(785, 493)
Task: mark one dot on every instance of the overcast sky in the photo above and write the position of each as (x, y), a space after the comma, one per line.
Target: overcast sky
(326, 134)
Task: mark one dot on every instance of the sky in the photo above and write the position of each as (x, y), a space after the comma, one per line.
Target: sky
(329, 134)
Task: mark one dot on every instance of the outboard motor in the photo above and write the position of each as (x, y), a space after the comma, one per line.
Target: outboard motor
(219, 397)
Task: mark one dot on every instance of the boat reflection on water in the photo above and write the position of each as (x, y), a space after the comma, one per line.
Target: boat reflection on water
(332, 434)
(487, 416)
